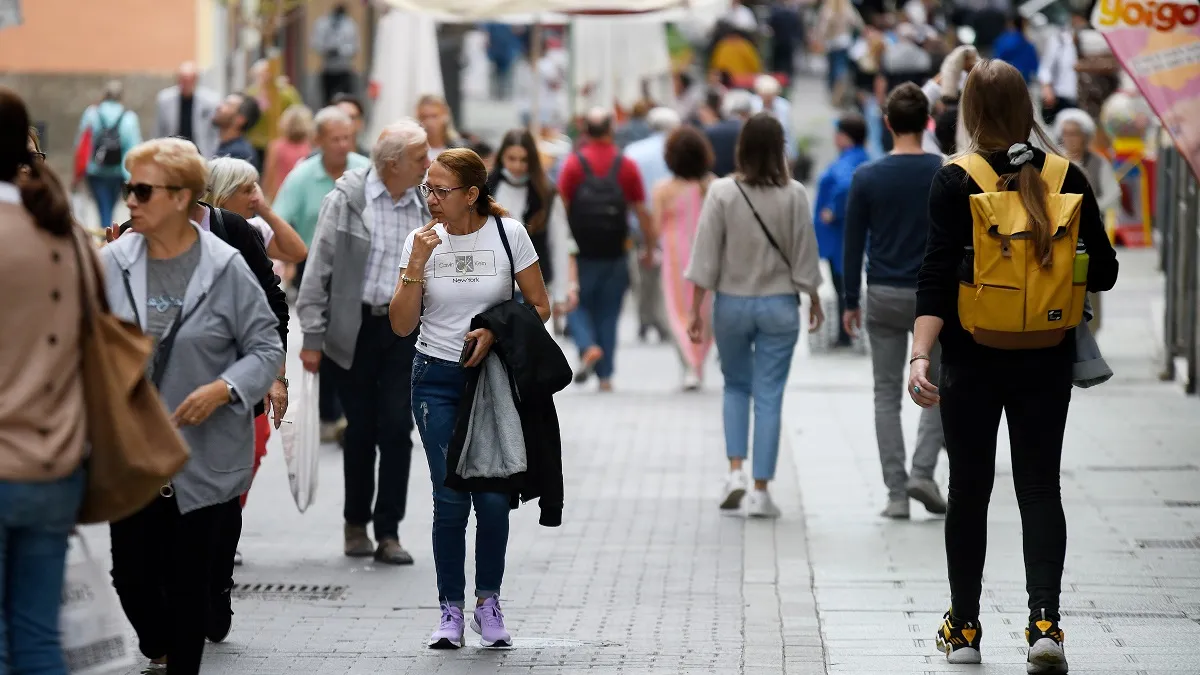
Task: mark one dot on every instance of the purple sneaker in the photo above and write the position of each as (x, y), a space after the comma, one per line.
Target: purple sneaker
(489, 623)
(449, 634)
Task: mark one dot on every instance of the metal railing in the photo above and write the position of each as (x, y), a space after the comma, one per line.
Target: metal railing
(1178, 221)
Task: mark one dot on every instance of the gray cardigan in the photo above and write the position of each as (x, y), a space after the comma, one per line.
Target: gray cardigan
(331, 293)
(232, 336)
(731, 254)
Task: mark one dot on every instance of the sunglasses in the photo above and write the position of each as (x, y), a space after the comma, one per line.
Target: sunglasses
(144, 191)
(439, 192)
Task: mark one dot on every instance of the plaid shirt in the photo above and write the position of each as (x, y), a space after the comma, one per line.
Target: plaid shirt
(389, 223)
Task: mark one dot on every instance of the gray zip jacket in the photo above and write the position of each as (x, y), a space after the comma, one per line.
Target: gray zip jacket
(495, 443)
(232, 336)
(331, 293)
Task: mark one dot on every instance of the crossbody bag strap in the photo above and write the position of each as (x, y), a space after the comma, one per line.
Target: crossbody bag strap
(761, 224)
(512, 265)
(162, 350)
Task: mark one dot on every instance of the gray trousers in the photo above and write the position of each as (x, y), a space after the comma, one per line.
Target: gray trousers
(648, 294)
(889, 317)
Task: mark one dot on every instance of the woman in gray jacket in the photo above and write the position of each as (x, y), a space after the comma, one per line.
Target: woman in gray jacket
(216, 353)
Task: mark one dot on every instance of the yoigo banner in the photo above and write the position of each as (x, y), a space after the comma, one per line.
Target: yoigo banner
(1158, 43)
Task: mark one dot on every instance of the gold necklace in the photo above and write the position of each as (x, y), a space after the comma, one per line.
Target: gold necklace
(450, 238)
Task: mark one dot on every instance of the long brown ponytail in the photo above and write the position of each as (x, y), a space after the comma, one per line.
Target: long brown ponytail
(997, 116)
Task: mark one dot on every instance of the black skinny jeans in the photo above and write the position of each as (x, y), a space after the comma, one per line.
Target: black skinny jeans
(162, 565)
(1034, 392)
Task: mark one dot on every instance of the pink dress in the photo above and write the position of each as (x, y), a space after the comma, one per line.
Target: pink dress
(678, 230)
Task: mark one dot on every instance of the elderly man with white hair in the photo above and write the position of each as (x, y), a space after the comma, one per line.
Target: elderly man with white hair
(649, 156)
(353, 267)
(768, 97)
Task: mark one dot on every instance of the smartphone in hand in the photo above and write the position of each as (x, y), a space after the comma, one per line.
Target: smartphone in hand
(468, 349)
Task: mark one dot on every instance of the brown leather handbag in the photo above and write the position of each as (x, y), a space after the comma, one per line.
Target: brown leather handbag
(135, 448)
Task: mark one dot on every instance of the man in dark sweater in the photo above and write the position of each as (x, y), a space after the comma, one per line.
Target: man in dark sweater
(888, 214)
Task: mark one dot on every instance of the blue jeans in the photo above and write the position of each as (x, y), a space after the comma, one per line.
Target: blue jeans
(437, 389)
(838, 62)
(755, 338)
(602, 287)
(106, 190)
(35, 521)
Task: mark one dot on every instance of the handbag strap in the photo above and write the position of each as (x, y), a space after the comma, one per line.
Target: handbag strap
(512, 265)
(761, 224)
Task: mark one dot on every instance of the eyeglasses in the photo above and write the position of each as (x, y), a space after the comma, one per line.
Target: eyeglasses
(143, 191)
(440, 192)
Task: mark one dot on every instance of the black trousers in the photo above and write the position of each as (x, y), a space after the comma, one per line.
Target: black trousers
(333, 84)
(162, 564)
(376, 395)
(1034, 393)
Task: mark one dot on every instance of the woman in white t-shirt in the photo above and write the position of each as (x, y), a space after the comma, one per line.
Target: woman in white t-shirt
(452, 269)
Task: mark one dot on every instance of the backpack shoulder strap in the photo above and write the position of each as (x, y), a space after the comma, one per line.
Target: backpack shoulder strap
(980, 171)
(216, 224)
(587, 168)
(1054, 172)
(116, 123)
(614, 171)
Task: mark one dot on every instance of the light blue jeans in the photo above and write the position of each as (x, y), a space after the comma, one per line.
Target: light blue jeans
(755, 337)
(35, 521)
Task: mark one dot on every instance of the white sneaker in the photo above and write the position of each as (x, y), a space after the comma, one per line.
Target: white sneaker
(691, 381)
(735, 489)
(760, 505)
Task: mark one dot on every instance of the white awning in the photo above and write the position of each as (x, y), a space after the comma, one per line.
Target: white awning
(540, 10)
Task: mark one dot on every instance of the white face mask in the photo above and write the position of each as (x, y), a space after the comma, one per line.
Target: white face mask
(515, 180)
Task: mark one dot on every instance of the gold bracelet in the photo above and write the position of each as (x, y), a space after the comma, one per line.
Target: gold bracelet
(918, 357)
(408, 281)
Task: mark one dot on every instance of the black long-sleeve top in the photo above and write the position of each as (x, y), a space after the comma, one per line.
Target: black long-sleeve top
(950, 233)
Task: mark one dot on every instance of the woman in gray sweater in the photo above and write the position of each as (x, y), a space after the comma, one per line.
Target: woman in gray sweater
(756, 249)
(216, 354)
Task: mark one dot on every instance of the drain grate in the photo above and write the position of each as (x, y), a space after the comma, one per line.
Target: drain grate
(1181, 504)
(1101, 614)
(1176, 544)
(1145, 468)
(288, 592)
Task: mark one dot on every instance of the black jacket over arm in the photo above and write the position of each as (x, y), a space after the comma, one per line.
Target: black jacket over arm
(537, 370)
(235, 231)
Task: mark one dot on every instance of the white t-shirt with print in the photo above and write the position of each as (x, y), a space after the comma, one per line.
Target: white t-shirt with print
(466, 276)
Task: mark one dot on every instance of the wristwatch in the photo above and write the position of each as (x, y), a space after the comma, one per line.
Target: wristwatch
(233, 395)
(282, 380)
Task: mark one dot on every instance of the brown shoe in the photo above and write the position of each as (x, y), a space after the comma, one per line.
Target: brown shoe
(390, 552)
(358, 544)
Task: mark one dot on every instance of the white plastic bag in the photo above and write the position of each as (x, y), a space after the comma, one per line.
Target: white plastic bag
(301, 432)
(94, 635)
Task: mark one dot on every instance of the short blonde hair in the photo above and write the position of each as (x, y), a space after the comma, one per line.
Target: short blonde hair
(178, 158)
(296, 123)
(227, 175)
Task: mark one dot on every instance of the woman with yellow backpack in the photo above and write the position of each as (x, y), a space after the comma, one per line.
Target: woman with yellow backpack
(1015, 242)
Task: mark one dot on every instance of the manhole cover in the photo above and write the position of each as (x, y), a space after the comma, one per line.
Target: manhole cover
(1169, 543)
(285, 592)
(1180, 504)
(557, 643)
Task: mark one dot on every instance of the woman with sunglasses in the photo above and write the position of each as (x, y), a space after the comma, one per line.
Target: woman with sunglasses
(41, 402)
(455, 267)
(216, 353)
(520, 185)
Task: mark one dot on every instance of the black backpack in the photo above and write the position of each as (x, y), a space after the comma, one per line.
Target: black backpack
(106, 145)
(599, 213)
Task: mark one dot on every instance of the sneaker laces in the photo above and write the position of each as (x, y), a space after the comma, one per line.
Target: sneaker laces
(448, 618)
(491, 616)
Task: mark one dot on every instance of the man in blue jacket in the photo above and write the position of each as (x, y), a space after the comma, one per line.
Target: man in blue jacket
(833, 191)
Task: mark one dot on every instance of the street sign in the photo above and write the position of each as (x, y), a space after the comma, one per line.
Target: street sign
(10, 13)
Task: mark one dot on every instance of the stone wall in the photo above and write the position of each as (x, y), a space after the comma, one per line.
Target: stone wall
(57, 101)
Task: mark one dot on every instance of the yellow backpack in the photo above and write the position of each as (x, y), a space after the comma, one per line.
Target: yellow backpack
(1012, 301)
